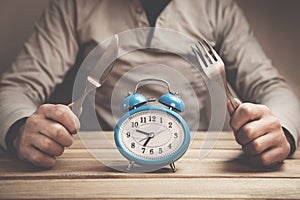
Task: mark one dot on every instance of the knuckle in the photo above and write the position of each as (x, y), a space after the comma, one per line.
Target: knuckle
(61, 111)
(245, 109)
(59, 134)
(256, 147)
(43, 108)
(42, 161)
(264, 161)
(36, 159)
(275, 124)
(47, 145)
(281, 154)
(32, 120)
(249, 131)
(55, 130)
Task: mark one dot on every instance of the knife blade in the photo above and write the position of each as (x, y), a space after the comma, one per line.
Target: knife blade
(110, 54)
(108, 59)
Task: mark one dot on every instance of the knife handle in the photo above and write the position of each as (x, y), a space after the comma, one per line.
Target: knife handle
(77, 104)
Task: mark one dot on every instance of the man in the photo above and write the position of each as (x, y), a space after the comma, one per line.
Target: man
(267, 128)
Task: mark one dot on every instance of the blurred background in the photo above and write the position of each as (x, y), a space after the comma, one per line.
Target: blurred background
(275, 24)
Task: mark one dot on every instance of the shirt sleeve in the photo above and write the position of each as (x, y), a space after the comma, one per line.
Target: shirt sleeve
(45, 58)
(249, 71)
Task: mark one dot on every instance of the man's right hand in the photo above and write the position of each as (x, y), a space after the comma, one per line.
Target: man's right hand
(45, 134)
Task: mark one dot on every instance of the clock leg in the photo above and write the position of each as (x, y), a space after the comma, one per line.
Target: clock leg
(172, 165)
(131, 163)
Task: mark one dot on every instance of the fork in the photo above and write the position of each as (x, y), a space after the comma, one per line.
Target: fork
(213, 66)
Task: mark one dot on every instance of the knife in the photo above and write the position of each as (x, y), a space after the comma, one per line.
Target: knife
(93, 81)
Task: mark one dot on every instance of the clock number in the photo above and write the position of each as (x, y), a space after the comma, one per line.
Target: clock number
(132, 145)
(175, 135)
(128, 134)
(152, 118)
(143, 150)
(134, 124)
(170, 146)
(160, 151)
(143, 119)
(170, 124)
(161, 120)
(151, 151)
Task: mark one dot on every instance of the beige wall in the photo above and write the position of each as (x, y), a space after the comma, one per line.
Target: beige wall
(17, 18)
(275, 23)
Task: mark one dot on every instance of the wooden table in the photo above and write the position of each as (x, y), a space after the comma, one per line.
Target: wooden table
(223, 174)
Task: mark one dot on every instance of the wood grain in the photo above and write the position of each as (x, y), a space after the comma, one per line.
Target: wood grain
(223, 174)
(218, 188)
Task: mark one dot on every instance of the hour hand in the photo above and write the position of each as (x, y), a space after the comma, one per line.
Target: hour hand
(143, 132)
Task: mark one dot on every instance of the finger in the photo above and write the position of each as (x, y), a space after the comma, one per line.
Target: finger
(255, 129)
(62, 114)
(47, 145)
(37, 158)
(268, 158)
(57, 132)
(262, 143)
(245, 113)
(230, 107)
(251, 131)
(38, 125)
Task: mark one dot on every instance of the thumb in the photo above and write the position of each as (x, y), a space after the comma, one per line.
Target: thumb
(71, 107)
(230, 107)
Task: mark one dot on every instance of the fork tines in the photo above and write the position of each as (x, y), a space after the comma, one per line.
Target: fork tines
(205, 51)
(198, 52)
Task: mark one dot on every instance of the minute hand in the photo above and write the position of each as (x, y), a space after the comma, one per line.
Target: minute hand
(148, 139)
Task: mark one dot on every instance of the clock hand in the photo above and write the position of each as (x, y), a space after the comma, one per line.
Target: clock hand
(143, 132)
(160, 131)
(150, 136)
(143, 139)
(148, 139)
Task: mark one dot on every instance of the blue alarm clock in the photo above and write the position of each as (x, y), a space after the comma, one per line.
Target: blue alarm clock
(152, 135)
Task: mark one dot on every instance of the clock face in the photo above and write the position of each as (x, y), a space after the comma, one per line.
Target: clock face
(151, 135)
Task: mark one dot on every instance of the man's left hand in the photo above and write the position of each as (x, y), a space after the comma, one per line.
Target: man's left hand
(259, 133)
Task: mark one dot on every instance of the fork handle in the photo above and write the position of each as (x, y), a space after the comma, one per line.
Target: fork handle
(230, 97)
(233, 102)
